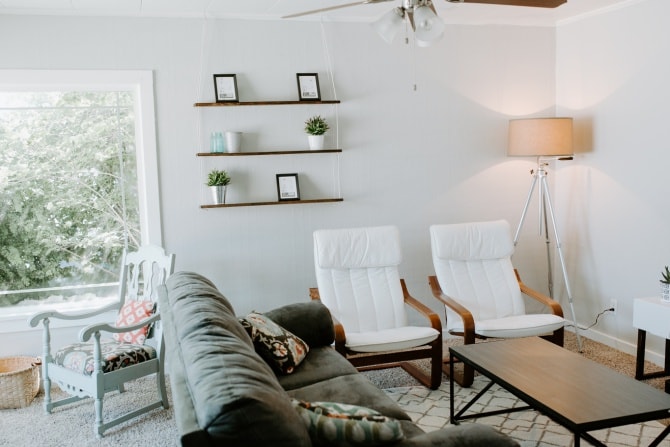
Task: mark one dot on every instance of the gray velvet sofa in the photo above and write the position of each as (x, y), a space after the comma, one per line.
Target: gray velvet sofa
(225, 394)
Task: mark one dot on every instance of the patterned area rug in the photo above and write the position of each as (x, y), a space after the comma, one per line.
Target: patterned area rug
(430, 410)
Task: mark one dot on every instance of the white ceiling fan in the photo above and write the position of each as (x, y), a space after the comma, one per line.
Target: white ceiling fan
(427, 26)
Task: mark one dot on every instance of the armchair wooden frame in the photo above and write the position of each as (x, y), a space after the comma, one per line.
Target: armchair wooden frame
(466, 378)
(370, 361)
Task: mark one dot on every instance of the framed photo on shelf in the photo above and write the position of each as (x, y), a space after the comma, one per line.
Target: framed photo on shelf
(308, 87)
(287, 187)
(225, 88)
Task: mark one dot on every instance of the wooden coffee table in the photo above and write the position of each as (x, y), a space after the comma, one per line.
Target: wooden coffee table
(575, 392)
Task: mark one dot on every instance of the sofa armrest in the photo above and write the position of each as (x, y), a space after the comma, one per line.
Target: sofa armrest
(311, 321)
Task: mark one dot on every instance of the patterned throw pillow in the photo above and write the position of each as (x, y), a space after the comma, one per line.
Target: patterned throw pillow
(131, 313)
(336, 424)
(281, 349)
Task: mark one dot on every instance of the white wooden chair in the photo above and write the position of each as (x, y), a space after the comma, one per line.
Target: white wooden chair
(358, 280)
(93, 368)
(481, 290)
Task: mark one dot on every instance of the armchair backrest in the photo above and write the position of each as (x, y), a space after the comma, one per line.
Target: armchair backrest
(142, 271)
(357, 277)
(473, 266)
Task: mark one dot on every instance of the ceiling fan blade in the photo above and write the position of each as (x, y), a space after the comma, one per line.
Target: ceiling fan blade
(330, 8)
(534, 3)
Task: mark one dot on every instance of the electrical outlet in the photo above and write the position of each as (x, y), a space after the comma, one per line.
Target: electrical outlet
(613, 306)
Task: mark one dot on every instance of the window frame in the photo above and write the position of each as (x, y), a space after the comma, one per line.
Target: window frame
(140, 83)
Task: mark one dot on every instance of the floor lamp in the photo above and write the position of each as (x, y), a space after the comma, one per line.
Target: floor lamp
(546, 139)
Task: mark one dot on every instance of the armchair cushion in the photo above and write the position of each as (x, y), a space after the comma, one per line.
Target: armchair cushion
(527, 325)
(390, 339)
(337, 424)
(282, 350)
(131, 313)
(115, 355)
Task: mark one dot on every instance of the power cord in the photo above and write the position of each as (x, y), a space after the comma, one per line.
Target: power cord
(611, 309)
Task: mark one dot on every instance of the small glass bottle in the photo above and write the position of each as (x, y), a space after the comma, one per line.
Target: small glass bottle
(212, 142)
(219, 142)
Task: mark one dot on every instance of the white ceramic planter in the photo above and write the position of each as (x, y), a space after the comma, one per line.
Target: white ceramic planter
(665, 292)
(316, 142)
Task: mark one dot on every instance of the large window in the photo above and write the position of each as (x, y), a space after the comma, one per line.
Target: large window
(74, 164)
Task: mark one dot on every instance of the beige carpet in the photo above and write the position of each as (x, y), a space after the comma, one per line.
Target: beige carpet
(72, 425)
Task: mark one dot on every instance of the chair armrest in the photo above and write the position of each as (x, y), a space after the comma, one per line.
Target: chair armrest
(426, 311)
(465, 314)
(86, 332)
(35, 319)
(340, 335)
(553, 305)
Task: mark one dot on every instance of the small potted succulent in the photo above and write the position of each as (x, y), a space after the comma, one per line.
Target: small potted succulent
(665, 284)
(218, 181)
(316, 127)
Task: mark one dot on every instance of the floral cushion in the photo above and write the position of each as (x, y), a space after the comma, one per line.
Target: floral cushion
(131, 313)
(281, 349)
(115, 355)
(336, 424)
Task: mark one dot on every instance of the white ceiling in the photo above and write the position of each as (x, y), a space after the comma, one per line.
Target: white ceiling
(275, 9)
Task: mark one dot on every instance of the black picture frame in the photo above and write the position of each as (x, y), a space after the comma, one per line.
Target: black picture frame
(308, 86)
(225, 88)
(288, 187)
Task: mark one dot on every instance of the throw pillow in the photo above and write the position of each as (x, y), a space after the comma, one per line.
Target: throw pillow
(336, 424)
(132, 313)
(281, 349)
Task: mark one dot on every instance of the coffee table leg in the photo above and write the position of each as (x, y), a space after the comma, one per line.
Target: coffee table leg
(660, 437)
(452, 400)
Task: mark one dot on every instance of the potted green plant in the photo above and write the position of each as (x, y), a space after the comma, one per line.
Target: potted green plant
(218, 181)
(665, 284)
(316, 127)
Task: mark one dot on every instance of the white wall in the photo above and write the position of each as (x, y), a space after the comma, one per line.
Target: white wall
(612, 76)
(411, 158)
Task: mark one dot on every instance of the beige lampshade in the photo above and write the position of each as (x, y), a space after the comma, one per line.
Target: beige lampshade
(540, 137)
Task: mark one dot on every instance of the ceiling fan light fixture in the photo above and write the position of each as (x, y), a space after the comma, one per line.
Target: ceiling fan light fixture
(388, 25)
(428, 27)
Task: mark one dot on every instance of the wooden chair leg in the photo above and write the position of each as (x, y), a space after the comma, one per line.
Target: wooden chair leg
(97, 428)
(162, 392)
(557, 337)
(434, 380)
(417, 373)
(467, 377)
(436, 365)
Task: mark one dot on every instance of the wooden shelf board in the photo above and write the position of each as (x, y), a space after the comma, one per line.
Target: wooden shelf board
(286, 202)
(242, 154)
(263, 103)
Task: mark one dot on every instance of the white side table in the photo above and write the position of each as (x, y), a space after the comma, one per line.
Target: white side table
(651, 315)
